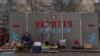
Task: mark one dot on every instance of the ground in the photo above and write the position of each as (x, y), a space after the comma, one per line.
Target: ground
(55, 54)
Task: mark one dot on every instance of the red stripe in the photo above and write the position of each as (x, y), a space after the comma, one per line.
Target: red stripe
(16, 26)
(91, 25)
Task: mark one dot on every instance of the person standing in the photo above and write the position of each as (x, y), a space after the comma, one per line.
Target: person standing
(46, 34)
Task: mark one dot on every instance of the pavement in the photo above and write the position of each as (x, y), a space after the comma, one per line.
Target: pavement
(62, 52)
(54, 54)
(97, 50)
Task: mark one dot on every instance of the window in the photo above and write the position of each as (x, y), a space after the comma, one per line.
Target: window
(66, 1)
(21, 1)
(3, 1)
(96, 1)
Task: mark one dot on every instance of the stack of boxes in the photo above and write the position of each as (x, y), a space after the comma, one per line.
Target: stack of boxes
(45, 49)
(88, 46)
(7, 49)
(49, 49)
(37, 47)
(53, 49)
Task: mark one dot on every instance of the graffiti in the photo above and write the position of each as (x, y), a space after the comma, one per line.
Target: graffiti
(14, 36)
(53, 16)
(57, 30)
(16, 26)
(91, 25)
(41, 30)
(54, 24)
(76, 43)
(68, 30)
(92, 38)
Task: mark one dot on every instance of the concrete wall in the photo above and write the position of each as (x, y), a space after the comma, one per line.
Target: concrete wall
(32, 18)
(81, 27)
(17, 24)
(36, 32)
(74, 33)
(55, 31)
(90, 29)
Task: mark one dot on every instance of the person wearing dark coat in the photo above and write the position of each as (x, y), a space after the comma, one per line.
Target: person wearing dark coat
(26, 39)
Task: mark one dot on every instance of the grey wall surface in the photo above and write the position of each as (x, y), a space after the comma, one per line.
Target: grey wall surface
(55, 36)
(32, 18)
(36, 32)
(81, 32)
(74, 34)
(90, 29)
(99, 1)
(17, 18)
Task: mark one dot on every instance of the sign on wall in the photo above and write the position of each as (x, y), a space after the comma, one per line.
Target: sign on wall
(90, 29)
(17, 25)
(74, 27)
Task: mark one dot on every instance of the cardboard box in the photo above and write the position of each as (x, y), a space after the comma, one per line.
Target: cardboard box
(88, 46)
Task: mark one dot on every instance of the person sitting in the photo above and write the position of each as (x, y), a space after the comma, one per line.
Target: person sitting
(26, 40)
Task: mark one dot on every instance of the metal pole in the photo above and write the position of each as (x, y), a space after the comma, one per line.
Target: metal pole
(44, 16)
(62, 25)
(44, 28)
(26, 21)
(80, 31)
